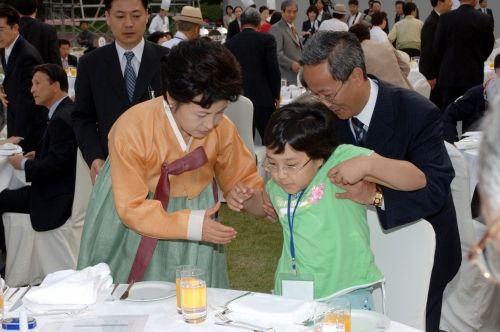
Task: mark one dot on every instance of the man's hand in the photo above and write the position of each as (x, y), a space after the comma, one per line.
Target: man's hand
(3, 97)
(432, 83)
(362, 192)
(30, 155)
(16, 160)
(238, 195)
(12, 139)
(271, 212)
(215, 232)
(296, 67)
(95, 169)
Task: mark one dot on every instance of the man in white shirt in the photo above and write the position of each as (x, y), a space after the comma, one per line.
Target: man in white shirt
(188, 25)
(336, 23)
(160, 21)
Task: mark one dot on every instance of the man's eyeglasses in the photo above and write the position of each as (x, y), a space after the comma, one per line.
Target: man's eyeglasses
(3, 29)
(290, 170)
(328, 98)
(486, 255)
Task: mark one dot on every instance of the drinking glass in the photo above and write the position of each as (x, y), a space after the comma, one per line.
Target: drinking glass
(328, 318)
(417, 59)
(194, 296)
(178, 271)
(283, 82)
(72, 71)
(346, 306)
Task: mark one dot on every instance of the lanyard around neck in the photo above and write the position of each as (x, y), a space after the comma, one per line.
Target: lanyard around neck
(290, 226)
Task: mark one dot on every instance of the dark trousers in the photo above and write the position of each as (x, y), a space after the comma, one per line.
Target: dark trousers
(437, 97)
(13, 201)
(411, 51)
(261, 116)
(452, 94)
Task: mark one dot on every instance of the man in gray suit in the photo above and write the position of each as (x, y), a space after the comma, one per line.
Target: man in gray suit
(288, 42)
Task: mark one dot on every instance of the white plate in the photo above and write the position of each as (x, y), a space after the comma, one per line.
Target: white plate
(146, 291)
(8, 146)
(368, 321)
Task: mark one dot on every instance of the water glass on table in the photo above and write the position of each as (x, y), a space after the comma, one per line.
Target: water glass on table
(178, 271)
(329, 318)
(194, 296)
(346, 305)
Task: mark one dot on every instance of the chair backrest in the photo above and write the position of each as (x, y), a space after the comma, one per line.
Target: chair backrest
(422, 87)
(405, 256)
(493, 54)
(241, 114)
(404, 56)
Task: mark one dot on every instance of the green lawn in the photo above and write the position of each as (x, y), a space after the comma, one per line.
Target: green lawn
(253, 256)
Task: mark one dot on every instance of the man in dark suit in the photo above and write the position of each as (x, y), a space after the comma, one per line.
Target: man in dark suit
(114, 78)
(399, 11)
(257, 55)
(41, 35)
(26, 122)
(430, 64)
(395, 123)
(483, 4)
(464, 40)
(67, 59)
(234, 27)
(51, 168)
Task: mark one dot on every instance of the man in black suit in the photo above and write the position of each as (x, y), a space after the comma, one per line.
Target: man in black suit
(464, 40)
(51, 168)
(430, 64)
(399, 11)
(41, 35)
(26, 122)
(395, 123)
(257, 55)
(483, 4)
(368, 11)
(114, 78)
(67, 59)
(234, 27)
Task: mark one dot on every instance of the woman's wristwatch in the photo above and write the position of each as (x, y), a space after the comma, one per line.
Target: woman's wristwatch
(379, 197)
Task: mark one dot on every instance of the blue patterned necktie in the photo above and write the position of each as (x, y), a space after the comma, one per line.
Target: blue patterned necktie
(129, 75)
(360, 131)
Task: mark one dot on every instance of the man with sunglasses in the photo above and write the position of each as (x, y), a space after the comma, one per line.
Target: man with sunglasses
(396, 123)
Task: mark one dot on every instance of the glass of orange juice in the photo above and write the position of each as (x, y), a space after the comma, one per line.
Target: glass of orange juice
(329, 318)
(346, 306)
(178, 271)
(194, 296)
(72, 70)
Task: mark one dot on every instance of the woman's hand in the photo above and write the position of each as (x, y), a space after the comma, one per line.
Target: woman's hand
(350, 171)
(215, 232)
(238, 195)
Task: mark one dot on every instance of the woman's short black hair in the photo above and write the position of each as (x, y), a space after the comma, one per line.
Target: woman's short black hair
(378, 18)
(229, 7)
(198, 67)
(312, 9)
(155, 36)
(307, 126)
(9, 13)
(55, 73)
(262, 8)
(361, 32)
(275, 18)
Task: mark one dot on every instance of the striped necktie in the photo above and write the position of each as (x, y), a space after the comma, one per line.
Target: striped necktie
(360, 132)
(129, 75)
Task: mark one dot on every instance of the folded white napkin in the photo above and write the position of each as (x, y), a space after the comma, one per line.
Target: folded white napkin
(273, 307)
(72, 287)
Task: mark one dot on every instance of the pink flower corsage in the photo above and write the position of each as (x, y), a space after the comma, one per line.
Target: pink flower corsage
(317, 194)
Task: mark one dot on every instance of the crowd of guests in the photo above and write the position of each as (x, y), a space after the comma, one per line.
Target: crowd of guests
(148, 120)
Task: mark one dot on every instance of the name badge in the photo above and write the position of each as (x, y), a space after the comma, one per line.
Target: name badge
(299, 287)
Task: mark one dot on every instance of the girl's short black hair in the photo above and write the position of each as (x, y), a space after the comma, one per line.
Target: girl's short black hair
(198, 67)
(307, 126)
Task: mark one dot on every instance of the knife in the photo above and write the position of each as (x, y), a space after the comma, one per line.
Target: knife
(125, 295)
(11, 295)
(19, 301)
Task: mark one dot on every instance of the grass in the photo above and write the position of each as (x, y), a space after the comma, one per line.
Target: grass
(253, 256)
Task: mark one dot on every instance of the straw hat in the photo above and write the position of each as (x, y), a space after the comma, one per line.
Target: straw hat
(190, 14)
(339, 9)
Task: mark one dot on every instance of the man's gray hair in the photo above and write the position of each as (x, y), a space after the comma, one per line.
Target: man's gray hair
(489, 158)
(288, 3)
(186, 26)
(342, 50)
(250, 16)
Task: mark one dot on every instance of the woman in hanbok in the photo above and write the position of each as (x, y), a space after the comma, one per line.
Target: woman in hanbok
(163, 156)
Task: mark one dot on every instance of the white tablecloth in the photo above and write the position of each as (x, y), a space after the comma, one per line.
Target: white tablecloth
(488, 71)
(9, 177)
(164, 317)
(472, 157)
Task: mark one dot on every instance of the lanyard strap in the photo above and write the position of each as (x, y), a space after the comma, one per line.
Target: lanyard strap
(290, 226)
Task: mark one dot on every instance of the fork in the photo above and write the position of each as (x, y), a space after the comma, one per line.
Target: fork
(226, 320)
(111, 297)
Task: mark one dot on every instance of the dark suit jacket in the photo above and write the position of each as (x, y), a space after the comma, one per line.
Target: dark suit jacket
(464, 40)
(24, 118)
(101, 95)
(469, 109)
(53, 172)
(233, 29)
(326, 16)
(72, 60)
(397, 19)
(489, 13)
(43, 37)
(306, 26)
(258, 57)
(429, 63)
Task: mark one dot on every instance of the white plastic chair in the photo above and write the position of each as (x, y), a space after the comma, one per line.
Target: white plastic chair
(493, 54)
(32, 255)
(423, 87)
(405, 256)
(404, 56)
(470, 302)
